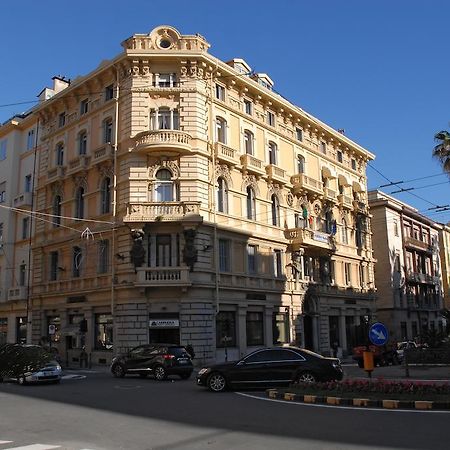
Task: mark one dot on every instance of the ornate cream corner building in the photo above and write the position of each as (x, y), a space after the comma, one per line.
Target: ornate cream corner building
(410, 268)
(180, 199)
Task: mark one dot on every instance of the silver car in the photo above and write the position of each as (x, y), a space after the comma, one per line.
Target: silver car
(51, 372)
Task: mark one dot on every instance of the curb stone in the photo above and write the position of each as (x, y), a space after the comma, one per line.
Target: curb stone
(422, 405)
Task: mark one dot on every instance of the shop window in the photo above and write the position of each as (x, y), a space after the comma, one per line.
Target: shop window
(226, 329)
(280, 328)
(103, 332)
(255, 328)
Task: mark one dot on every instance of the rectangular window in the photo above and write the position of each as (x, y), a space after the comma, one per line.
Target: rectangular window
(251, 258)
(22, 274)
(25, 227)
(3, 330)
(299, 134)
(255, 328)
(248, 107)
(107, 131)
(53, 266)
(353, 163)
(277, 265)
(61, 119)
(103, 332)
(323, 147)
(270, 118)
(167, 80)
(103, 256)
(362, 275)
(339, 156)
(347, 273)
(224, 255)
(220, 92)
(84, 107)
(109, 92)
(226, 329)
(163, 250)
(30, 140)
(280, 328)
(2, 196)
(28, 183)
(3, 149)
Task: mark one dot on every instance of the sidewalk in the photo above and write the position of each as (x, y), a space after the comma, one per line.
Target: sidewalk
(422, 373)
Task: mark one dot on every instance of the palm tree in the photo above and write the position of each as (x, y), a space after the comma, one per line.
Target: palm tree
(442, 150)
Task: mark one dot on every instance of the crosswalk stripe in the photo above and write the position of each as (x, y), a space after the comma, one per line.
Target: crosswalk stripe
(34, 447)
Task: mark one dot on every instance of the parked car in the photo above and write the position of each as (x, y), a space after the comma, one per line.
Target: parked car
(271, 366)
(28, 364)
(405, 345)
(160, 360)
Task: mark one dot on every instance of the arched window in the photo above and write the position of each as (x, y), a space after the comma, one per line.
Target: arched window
(272, 153)
(222, 195)
(221, 130)
(107, 131)
(77, 259)
(56, 211)
(344, 232)
(251, 204)
(105, 192)
(249, 142)
(82, 143)
(164, 186)
(164, 119)
(300, 164)
(275, 211)
(79, 203)
(60, 154)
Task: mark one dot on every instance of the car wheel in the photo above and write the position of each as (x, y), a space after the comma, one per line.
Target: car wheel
(22, 380)
(160, 373)
(306, 377)
(185, 376)
(216, 382)
(118, 371)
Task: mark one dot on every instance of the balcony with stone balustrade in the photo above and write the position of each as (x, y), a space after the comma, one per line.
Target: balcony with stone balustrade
(162, 276)
(345, 201)
(163, 141)
(162, 211)
(226, 154)
(307, 238)
(276, 174)
(304, 184)
(253, 165)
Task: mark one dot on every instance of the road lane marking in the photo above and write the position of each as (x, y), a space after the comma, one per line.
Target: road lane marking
(34, 447)
(359, 408)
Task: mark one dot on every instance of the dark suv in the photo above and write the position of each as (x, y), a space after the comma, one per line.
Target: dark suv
(159, 360)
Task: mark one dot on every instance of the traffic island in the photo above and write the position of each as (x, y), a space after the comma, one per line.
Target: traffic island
(369, 394)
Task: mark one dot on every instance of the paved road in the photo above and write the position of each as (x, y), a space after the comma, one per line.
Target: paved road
(100, 412)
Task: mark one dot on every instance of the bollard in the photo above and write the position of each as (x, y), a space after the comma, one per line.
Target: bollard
(368, 362)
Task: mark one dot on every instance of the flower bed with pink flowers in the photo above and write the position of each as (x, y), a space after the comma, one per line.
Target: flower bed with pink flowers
(376, 389)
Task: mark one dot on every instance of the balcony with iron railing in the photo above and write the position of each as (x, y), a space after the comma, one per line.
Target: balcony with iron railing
(163, 140)
(162, 276)
(303, 183)
(253, 165)
(226, 154)
(161, 212)
(277, 174)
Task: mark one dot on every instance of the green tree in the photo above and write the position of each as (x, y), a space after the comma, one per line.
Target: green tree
(442, 150)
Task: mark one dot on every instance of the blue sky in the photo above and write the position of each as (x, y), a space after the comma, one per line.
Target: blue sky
(378, 69)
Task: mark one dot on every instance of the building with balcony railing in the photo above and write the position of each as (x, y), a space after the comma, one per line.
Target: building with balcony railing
(409, 269)
(175, 187)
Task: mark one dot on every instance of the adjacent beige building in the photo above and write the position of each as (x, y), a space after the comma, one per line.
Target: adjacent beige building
(179, 198)
(444, 247)
(408, 273)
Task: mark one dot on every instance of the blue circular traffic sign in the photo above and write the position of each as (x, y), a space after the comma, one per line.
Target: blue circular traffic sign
(378, 334)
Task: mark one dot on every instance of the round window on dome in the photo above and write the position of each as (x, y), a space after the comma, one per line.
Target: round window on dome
(164, 43)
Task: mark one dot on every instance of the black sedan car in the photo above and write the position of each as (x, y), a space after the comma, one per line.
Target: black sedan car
(160, 360)
(271, 366)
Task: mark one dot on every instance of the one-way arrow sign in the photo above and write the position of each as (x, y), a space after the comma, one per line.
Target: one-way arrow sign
(378, 334)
